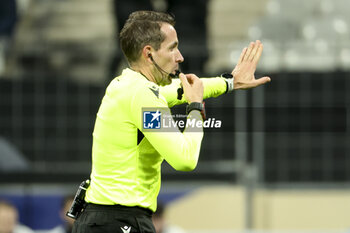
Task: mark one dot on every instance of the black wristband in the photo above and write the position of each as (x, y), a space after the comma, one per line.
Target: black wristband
(196, 106)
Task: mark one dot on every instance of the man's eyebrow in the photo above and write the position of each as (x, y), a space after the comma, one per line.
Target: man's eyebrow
(174, 44)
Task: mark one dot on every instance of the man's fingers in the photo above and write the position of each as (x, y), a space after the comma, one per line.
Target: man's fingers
(183, 80)
(252, 53)
(249, 50)
(254, 50)
(242, 55)
(191, 78)
(258, 54)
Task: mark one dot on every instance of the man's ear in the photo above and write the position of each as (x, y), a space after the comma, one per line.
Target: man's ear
(147, 53)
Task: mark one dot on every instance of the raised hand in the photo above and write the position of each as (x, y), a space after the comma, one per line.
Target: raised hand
(246, 66)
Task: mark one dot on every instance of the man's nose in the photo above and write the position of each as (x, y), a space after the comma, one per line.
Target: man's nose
(179, 57)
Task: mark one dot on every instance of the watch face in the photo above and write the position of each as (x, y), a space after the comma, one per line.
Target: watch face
(227, 75)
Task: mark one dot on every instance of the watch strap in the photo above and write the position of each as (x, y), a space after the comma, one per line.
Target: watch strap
(196, 106)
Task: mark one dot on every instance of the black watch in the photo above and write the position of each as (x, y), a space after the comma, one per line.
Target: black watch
(229, 79)
(227, 75)
(196, 106)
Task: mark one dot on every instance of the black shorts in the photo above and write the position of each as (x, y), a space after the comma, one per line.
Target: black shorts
(114, 219)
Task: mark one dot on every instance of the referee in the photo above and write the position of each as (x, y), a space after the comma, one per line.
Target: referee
(126, 158)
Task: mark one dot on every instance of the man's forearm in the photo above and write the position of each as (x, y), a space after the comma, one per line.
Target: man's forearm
(213, 87)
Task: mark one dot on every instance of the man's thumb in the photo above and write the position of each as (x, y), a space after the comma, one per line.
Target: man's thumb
(264, 80)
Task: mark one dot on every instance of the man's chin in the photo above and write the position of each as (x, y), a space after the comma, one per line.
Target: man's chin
(166, 81)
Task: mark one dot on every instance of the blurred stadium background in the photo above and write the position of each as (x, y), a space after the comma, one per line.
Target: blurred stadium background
(275, 174)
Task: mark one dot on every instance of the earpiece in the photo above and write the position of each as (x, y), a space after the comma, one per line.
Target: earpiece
(149, 55)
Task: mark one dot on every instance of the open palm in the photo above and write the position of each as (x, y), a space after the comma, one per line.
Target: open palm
(243, 73)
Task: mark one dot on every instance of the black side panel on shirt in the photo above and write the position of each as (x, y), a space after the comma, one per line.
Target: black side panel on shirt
(155, 91)
(140, 136)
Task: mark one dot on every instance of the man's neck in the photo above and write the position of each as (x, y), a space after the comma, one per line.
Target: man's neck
(145, 71)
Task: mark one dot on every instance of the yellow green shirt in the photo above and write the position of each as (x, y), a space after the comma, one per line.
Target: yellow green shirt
(124, 171)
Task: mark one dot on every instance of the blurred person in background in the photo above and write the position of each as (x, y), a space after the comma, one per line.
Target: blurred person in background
(67, 225)
(160, 222)
(126, 158)
(9, 219)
